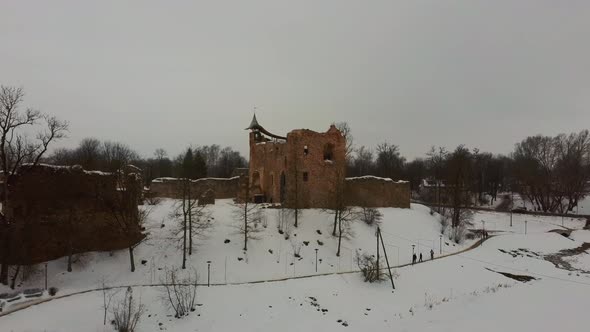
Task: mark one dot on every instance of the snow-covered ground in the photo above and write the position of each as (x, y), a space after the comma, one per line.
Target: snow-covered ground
(461, 292)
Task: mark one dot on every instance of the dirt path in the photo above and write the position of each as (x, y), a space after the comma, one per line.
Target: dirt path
(25, 305)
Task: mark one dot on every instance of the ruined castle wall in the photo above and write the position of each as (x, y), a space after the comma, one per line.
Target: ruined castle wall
(171, 187)
(268, 161)
(58, 209)
(312, 179)
(370, 191)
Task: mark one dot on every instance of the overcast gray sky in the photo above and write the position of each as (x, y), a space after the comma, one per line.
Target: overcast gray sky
(413, 73)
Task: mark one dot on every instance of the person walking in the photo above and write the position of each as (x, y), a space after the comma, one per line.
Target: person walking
(413, 259)
(431, 254)
(420, 258)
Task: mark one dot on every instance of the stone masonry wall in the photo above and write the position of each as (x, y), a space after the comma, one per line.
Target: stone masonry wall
(372, 191)
(57, 210)
(311, 176)
(170, 187)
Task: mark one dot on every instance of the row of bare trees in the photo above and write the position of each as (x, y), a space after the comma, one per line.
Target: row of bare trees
(553, 172)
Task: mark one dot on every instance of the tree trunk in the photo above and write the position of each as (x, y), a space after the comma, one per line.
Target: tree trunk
(335, 222)
(131, 260)
(70, 255)
(184, 213)
(6, 240)
(246, 226)
(190, 222)
(4, 256)
(13, 281)
(339, 236)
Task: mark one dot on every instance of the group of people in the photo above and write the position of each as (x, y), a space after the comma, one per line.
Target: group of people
(420, 260)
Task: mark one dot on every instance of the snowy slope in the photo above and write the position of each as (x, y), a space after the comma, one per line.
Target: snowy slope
(455, 293)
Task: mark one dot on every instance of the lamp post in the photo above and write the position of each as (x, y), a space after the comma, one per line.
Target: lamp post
(208, 273)
(525, 222)
(511, 205)
(45, 276)
(316, 260)
(440, 244)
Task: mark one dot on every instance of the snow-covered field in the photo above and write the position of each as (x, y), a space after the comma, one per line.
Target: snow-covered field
(460, 292)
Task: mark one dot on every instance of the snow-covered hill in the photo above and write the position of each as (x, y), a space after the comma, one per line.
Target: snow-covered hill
(432, 295)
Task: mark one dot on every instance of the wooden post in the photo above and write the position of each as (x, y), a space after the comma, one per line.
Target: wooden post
(386, 259)
(378, 270)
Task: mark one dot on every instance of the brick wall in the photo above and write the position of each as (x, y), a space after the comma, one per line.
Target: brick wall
(372, 191)
(170, 187)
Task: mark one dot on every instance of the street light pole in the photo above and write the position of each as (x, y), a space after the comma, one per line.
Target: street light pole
(441, 244)
(208, 273)
(45, 276)
(316, 260)
(525, 222)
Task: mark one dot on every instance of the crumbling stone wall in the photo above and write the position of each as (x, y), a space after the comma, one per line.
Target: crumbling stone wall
(171, 187)
(370, 191)
(57, 210)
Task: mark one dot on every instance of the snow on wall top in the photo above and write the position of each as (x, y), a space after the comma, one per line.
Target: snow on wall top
(371, 177)
(168, 179)
(63, 169)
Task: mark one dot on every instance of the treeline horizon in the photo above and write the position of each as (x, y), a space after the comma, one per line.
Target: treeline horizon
(552, 172)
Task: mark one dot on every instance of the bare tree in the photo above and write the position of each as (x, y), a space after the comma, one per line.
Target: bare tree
(436, 164)
(245, 215)
(573, 168)
(180, 292)
(347, 134)
(194, 220)
(16, 149)
(127, 312)
(363, 162)
(389, 161)
(108, 293)
(344, 215)
(124, 214)
(459, 177)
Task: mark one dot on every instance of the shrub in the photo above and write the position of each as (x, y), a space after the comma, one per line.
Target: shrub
(52, 291)
(180, 292)
(371, 216)
(127, 313)
(368, 266)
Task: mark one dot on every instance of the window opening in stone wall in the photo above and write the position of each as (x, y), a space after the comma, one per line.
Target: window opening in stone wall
(305, 176)
(305, 150)
(328, 151)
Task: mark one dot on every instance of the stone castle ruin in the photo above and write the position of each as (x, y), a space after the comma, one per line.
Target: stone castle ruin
(308, 169)
(60, 210)
(305, 169)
